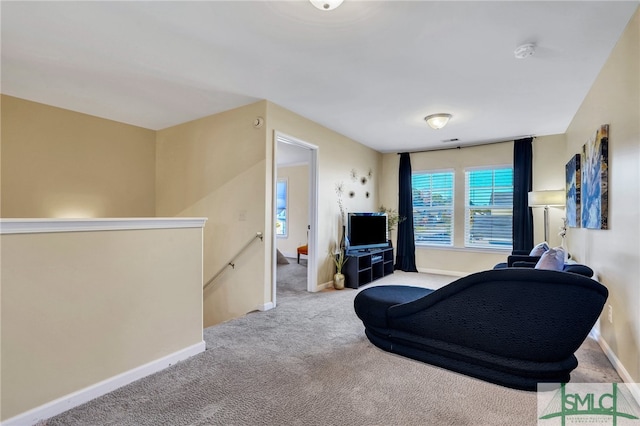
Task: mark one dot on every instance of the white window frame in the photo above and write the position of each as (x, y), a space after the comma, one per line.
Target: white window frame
(486, 244)
(416, 223)
(286, 208)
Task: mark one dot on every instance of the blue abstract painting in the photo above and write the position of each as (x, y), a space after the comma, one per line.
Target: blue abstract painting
(595, 176)
(573, 192)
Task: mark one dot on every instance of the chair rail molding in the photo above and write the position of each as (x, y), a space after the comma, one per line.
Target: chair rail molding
(46, 225)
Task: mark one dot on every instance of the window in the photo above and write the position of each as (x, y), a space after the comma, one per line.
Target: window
(489, 208)
(281, 208)
(433, 207)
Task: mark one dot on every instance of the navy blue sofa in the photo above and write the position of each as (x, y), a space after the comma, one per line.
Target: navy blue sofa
(515, 327)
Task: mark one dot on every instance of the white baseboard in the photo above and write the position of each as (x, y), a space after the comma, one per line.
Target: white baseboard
(323, 286)
(77, 398)
(265, 307)
(443, 272)
(622, 371)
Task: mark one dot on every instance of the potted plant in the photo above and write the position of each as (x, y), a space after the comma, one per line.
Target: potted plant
(393, 218)
(339, 259)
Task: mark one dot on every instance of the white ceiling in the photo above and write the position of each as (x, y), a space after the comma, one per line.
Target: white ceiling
(370, 70)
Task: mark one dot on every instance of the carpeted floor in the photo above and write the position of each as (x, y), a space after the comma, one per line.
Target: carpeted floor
(291, 276)
(307, 362)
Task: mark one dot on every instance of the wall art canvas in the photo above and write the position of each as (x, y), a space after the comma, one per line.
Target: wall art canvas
(595, 177)
(573, 192)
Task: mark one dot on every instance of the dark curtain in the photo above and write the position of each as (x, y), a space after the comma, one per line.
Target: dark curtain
(522, 183)
(406, 250)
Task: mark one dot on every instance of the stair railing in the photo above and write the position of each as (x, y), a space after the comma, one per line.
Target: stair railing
(231, 262)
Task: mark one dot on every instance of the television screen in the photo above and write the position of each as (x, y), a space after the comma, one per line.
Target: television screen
(367, 231)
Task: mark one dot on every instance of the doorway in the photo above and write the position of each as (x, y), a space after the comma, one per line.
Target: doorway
(292, 228)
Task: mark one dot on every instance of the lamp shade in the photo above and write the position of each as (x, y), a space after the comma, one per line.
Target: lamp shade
(547, 198)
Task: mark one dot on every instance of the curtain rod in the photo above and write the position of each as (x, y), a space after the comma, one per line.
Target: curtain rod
(466, 146)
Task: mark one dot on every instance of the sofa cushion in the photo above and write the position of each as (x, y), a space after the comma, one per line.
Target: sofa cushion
(552, 259)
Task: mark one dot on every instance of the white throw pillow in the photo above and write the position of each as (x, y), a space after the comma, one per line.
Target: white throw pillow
(539, 249)
(552, 259)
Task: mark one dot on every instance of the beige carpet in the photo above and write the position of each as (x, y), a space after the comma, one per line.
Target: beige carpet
(307, 362)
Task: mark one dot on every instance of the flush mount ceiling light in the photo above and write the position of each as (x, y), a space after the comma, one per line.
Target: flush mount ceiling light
(326, 4)
(524, 51)
(437, 121)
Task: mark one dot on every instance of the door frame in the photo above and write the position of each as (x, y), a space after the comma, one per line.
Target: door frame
(312, 258)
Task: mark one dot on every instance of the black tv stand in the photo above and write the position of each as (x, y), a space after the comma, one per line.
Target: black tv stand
(363, 267)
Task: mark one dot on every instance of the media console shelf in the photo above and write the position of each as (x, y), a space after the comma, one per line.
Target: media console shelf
(364, 267)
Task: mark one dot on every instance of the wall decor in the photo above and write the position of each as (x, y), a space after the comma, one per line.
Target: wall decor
(595, 178)
(339, 192)
(573, 191)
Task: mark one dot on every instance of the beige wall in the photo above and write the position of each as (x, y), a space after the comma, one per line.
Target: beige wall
(615, 253)
(456, 260)
(220, 167)
(548, 174)
(297, 178)
(337, 156)
(216, 167)
(97, 304)
(60, 163)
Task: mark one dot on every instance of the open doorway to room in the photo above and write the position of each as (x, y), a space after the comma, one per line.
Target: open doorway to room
(295, 188)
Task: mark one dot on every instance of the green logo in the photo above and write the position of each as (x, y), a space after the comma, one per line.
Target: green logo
(588, 403)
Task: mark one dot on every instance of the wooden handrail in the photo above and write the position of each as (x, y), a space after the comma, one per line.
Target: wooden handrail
(230, 263)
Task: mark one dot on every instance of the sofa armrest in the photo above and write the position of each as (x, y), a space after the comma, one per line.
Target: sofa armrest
(521, 258)
(521, 264)
(577, 268)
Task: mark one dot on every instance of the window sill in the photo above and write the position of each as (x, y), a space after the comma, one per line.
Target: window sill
(465, 249)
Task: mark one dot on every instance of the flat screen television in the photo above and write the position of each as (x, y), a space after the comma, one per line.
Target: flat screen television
(367, 231)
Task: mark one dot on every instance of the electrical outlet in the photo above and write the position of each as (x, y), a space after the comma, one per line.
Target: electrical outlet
(610, 314)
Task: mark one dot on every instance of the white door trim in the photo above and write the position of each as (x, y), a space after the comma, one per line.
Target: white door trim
(312, 258)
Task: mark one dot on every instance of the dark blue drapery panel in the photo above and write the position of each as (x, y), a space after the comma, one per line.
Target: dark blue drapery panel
(522, 184)
(406, 250)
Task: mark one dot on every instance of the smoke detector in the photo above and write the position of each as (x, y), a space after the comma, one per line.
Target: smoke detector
(258, 122)
(525, 50)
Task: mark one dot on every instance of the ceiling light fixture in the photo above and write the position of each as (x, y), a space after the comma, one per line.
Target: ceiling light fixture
(326, 4)
(524, 51)
(437, 121)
